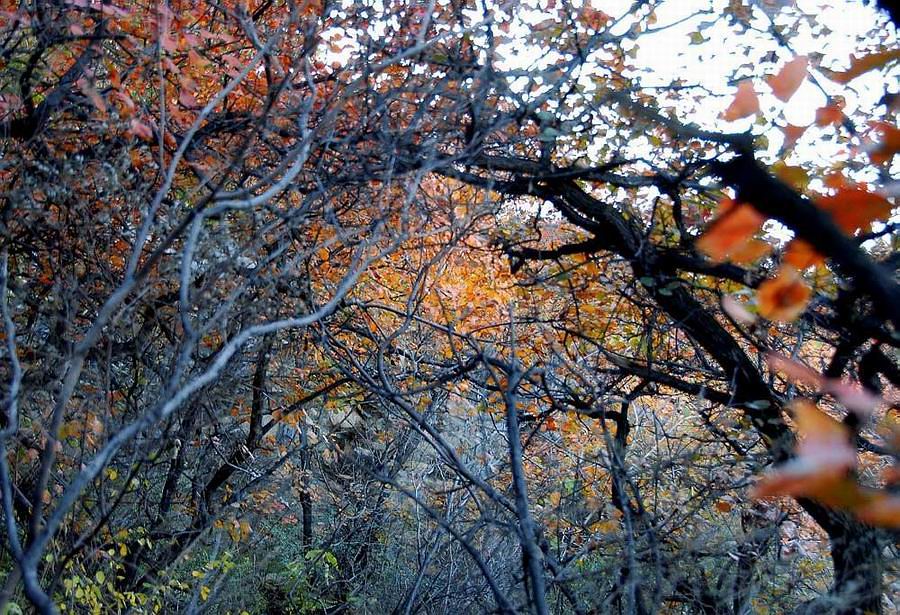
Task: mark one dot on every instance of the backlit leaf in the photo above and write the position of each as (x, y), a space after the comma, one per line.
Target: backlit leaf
(783, 297)
(864, 64)
(789, 78)
(745, 102)
(800, 255)
(854, 208)
(735, 225)
(792, 134)
(829, 115)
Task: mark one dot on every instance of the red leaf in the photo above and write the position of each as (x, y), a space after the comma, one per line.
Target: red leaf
(745, 102)
(829, 114)
(789, 78)
(889, 144)
(854, 208)
(792, 134)
(142, 130)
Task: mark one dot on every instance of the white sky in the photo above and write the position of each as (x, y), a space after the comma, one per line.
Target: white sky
(670, 52)
(835, 30)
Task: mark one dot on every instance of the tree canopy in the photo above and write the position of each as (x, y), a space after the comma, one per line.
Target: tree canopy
(319, 306)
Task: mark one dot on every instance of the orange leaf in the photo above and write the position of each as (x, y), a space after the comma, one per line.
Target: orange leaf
(800, 478)
(745, 102)
(858, 66)
(789, 78)
(736, 223)
(750, 251)
(826, 437)
(883, 510)
(801, 255)
(824, 457)
(784, 297)
(891, 475)
(723, 506)
(854, 209)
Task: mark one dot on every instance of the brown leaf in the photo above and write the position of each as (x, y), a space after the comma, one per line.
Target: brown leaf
(864, 64)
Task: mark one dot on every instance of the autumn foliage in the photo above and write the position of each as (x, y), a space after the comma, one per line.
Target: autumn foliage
(322, 307)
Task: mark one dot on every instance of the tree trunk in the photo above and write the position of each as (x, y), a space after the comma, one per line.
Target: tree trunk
(858, 571)
(857, 555)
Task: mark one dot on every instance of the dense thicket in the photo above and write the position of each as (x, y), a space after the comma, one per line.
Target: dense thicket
(447, 306)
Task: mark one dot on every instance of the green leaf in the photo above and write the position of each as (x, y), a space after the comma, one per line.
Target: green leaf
(548, 134)
(330, 559)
